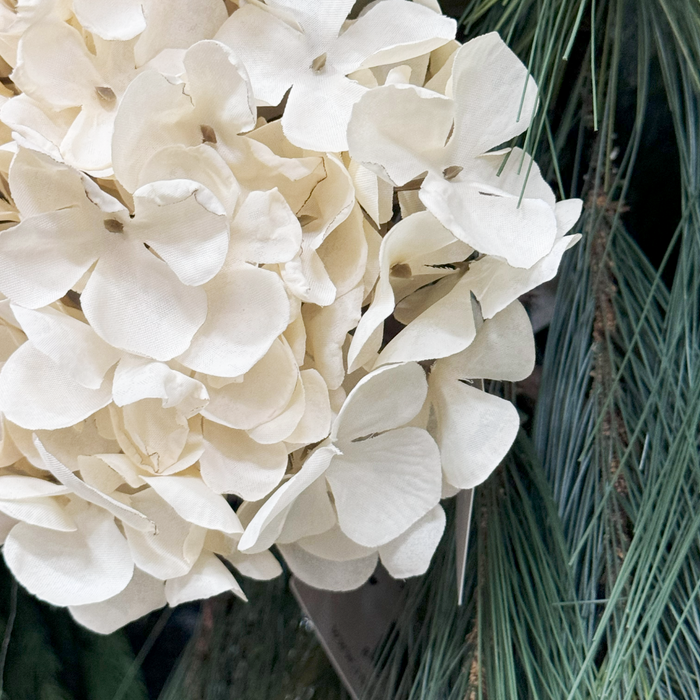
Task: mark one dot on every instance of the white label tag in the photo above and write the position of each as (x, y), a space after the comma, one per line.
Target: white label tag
(463, 520)
(351, 625)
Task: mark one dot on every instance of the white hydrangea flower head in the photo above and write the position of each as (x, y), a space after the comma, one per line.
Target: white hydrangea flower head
(231, 321)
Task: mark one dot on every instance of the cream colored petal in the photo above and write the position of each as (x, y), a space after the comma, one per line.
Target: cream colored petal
(211, 65)
(177, 24)
(315, 423)
(327, 330)
(71, 344)
(128, 515)
(295, 335)
(265, 229)
(374, 194)
(416, 303)
(86, 145)
(195, 502)
(400, 131)
(97, 474)
(330, 202)
(326, 574)
(41, 512)
(261, 566)
(310, 514)
(36, 394)
(199, 163)
(208, 577)
(247, 309)
(175, 546)
(260, 396)
(185, 224)
(63, 246)
(318, 111)
(89, 565)
(496, 96)
(16, 487)
(235, 463)
(344, 253)
(258, 530)
(153, 114)
(504, 349)
(334, 545)
(137, 378)
(491, 220)
(124, 467)
(307, 279)
(568, 212)
(475, 430)
(279, 428)
(142, 595)
(6, 525)
(112, 21)
(160, 321)
(384, 484)
(387, 398)
(36, 125)
(410, 553)
(39, 184)
(496, 284)
(390, 32)
(273, 52)
(69, 82)
(445, 328)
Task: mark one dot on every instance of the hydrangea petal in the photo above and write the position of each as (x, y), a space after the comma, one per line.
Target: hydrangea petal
(475, 429)
(173, 548)
(125, 513)
(195, 502)
(396, 478)
(153, 114)
(280, 427)
(45, 255)
(316, 464)
(235, 463)
(445, 328)
(42, 512)
(391, 31)
(410, 553)
(177, 24)
(387, 398)
(261, 566)
(211, 65)
(496, 284)
(495, 96)
(326, 574)
(248, 309)
(318, 111)
(71, 344)
(89, 565)
(315, 423)
(112, 21)
(250, 32)
(137, 378)
(504, 349)
(142, 595)
(185, 224)
(400, 131)
(35, 393)
(491, 220)
(135, 302)
(311, 513)
(335, 545)
(260, 395)
(207, 578)
(265, 229)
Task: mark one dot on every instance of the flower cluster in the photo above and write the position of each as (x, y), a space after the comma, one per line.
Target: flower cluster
(252, 260)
